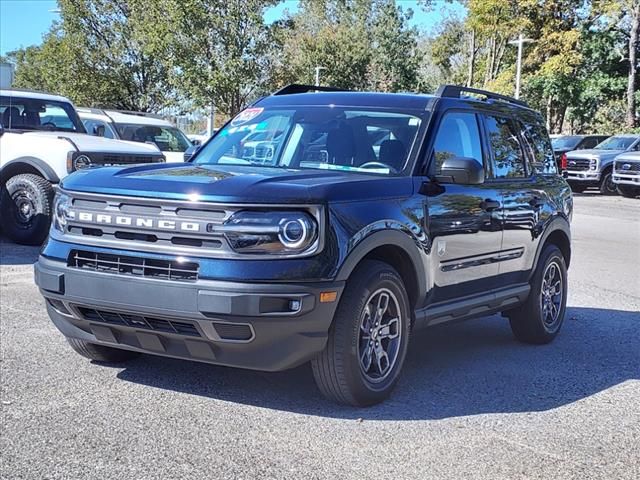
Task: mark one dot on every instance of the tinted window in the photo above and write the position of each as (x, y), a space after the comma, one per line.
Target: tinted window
(540, 148)
(458, 136)
(616, 143)
(566, 142)
(507, 154)
(167, 139)
(588, 142)
(327, 138)
(35, 114)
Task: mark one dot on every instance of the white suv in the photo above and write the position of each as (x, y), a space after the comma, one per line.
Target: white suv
(42, 140)
(137, 127)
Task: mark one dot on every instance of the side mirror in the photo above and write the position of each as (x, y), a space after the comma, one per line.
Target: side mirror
(98, 130)
(190, 152)
(195, 141)
(461, 170)
(1, 129)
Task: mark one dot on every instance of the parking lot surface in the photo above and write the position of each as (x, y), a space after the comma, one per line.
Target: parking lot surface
(472, 403)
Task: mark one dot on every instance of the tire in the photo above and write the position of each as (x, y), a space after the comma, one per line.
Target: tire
(577, 188)
(100, 353)
(26, 208)
(628, 191)
(607, 187)
(338, 370)
(531, 322)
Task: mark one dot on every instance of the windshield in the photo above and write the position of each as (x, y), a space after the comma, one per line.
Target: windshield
(327, 138)
(35, 114)
(616, 143)
(565, 142)
(167, 139)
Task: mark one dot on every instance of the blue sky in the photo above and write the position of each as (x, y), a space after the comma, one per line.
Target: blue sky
(23, 22)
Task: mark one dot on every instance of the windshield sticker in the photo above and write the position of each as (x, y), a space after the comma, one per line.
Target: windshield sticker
(246, 115)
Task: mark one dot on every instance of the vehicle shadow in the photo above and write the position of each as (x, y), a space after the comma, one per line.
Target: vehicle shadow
(14, 254)
(465, 369)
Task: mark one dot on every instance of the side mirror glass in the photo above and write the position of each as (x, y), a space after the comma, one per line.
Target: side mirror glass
(461, 170)
(195, 141)
(190, 152)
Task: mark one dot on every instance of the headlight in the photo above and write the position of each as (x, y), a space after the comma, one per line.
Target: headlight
(278, 233)
(77, 161)
(61, 206)
(594, 164)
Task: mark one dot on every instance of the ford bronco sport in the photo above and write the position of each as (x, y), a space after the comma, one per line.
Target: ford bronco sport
(41, 141)
(376, 214)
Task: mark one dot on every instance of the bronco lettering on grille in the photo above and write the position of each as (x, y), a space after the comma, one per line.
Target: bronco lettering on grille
(140, 222)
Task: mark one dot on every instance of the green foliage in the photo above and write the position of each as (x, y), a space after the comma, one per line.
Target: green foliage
(359, 44)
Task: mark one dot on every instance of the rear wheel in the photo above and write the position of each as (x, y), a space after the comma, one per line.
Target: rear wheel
(100, 353)
(539, 319)
(368, 340)
(628, 191)
(26, 207)
(607, 187)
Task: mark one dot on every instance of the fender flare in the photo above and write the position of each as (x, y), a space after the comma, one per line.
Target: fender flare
(45, 170)
(386, 238)
(559, 223)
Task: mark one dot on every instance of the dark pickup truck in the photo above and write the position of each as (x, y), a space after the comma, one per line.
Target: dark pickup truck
(367, 216)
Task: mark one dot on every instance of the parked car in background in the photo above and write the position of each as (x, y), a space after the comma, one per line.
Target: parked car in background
(42, 140)
(626, 174)
(564, 144)
(200, 138)
(594, 168)
(137, 127)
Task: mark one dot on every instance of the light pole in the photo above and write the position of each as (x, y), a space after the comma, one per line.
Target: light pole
(317, 69)
(519, 42)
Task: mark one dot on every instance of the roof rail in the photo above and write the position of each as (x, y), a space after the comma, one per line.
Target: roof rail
(298, 88)
(98, 111)
(139, 114)
(455, 91)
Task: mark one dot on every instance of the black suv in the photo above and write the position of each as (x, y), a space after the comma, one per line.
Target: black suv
(367, 216)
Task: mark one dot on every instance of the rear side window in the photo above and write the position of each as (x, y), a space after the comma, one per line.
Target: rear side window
(508, 157)
(458, 136)
(543, 159)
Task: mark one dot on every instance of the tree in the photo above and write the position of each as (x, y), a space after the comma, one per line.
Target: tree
(102, 53)
(219, 50)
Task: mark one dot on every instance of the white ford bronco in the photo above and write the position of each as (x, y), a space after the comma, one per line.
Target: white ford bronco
(42, 140)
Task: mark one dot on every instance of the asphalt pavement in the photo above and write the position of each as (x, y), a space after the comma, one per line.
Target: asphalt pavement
(472, 403)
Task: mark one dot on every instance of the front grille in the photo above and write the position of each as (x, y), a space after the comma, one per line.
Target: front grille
(139, 321)
(578, 164)
(634, 167)
(120, 159)
(141, 267)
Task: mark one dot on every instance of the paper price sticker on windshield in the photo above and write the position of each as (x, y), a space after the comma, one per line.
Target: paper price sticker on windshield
(246, 115)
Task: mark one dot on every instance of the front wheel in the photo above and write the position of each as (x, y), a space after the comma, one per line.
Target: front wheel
(539, 319)
(628, 191)
(607, 187)
(368, 340)
(26, 207)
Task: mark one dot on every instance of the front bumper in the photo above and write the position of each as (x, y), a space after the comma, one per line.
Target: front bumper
(584, 177)
(626, 179)
(261, 326)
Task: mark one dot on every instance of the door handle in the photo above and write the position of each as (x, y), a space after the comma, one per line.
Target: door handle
(489, 205)
(536, 202)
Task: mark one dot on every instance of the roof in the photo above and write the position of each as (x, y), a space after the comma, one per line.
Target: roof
(16, 92)
(409, 101)
(119, 117)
